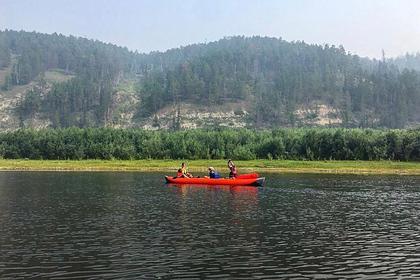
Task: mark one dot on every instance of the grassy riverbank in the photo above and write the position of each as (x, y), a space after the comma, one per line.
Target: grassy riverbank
(170, 166)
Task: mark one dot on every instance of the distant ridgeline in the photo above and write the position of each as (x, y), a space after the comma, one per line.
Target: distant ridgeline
(277, 83)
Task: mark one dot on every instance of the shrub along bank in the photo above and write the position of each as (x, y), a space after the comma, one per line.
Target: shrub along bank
(238, 144)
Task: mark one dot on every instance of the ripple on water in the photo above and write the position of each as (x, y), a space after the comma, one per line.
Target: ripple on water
(131, 226)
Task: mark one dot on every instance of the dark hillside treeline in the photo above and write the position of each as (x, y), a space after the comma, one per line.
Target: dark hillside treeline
(97, 67)
(274, 77)
(300, 144)
(278, 77)
(37, 52)
(408, 61)
(5, 55)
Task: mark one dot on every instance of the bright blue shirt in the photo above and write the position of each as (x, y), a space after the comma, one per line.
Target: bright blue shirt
(214, 175)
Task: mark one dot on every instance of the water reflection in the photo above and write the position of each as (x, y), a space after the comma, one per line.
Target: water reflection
(133, 226)
(238, 201)
(246, 195)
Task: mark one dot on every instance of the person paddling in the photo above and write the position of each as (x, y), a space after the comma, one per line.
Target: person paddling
(233, 172)
(185, 172)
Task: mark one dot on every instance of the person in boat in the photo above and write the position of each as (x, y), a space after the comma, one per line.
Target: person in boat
(179, 174)
(184, 171)
(213, 174)
(233, 171)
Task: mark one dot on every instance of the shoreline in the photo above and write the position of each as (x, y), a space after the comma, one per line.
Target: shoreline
(263, 166)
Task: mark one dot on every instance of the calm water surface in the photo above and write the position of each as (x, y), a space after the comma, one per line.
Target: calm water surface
(133, 226)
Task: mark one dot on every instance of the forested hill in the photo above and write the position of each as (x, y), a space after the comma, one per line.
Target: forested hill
(59, 81)
(94, 69)
(409, 61)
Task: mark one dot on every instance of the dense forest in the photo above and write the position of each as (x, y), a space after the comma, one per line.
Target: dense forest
(96, 66)
(408, 61)
(302, 143)
(275, 77)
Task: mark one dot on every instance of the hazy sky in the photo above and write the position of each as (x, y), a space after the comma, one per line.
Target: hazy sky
(362, 26)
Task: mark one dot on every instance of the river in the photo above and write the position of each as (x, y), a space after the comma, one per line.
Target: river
(130, 225)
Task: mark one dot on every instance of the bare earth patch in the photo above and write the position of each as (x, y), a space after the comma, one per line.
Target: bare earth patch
(10, 99)
(318, 114)
(199, 116)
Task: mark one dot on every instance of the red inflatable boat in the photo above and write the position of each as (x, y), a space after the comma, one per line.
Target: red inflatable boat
(252, 181)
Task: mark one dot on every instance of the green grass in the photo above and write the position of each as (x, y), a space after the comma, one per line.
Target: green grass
(170, 166)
